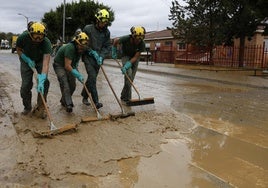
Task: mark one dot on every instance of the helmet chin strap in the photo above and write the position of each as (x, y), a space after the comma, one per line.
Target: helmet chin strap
(34, 40)
(31, 36)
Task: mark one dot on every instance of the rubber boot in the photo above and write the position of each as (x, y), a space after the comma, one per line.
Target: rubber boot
(39, 111)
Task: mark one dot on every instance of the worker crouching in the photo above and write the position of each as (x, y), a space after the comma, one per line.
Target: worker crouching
(66, 68)
(34, 48)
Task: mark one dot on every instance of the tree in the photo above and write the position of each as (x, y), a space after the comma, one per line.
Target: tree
(7, 36)
(211, 22)
(199, 22)
(81, 13)
(245, 17)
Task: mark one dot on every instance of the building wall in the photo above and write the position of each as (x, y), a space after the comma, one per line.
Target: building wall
(257, 39)
(254, 48)
(165, 50)
(170, 50)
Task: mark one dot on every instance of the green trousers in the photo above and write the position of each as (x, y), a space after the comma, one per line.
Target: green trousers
(27, 84)
(126, 92)
(67, 84)
(92, 69)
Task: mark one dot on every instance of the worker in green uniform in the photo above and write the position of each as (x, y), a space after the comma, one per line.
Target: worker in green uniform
(131, 45)
(66, 68)
(100, 45)
(34, 48)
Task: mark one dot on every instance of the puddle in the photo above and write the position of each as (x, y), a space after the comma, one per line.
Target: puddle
(230, 159)
(169, 168)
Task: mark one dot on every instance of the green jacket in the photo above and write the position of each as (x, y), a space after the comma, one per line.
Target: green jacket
(68, 50)
(129, 49)
(99, 40)
(33, 50)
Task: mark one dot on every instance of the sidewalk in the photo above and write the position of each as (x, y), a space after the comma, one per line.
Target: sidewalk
(225, 76)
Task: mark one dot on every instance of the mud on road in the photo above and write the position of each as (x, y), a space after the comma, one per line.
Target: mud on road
(94, 156)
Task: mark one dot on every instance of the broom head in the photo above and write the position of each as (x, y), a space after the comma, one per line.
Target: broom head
(51, 133)
(137, 102)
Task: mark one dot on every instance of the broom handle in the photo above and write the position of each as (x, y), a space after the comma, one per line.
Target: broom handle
(43, 99)
(46, 108)
(129, 80)
(112, 89)
(91, 100)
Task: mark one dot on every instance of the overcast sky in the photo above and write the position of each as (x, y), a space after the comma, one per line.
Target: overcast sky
(152, 14)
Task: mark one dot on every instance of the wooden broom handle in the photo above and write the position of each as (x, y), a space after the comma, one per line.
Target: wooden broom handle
(112, 89)
(46, 108)
(129, 79)
(90, 97)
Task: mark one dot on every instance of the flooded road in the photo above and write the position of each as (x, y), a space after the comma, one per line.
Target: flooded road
(199, 133)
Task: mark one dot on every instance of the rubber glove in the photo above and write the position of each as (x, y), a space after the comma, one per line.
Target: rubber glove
(100, 60)
(127, 65)
(114, 52)
(27, 60)
(94, 54)
(41, 80)
(78, 75)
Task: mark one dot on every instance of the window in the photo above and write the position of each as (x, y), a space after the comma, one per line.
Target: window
(266, 45)
(157, 46)
(168, 43)
(181, 46)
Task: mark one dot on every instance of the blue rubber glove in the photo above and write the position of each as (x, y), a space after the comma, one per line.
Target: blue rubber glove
(78, 75)
(41, 80)
(127, 65)
(27, 60)
(96, 56)
(114, 52)
(100, 61)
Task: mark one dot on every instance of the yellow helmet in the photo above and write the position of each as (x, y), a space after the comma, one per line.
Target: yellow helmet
(37, 28)
(29, 25)
(81, 39)
(138, 32)
(102, 15)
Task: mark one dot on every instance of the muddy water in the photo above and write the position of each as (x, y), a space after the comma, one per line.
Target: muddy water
(231, 139)
(197, 134)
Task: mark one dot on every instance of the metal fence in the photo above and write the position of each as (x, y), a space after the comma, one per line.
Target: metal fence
(225, 56)
(255, 56)
(161, 56)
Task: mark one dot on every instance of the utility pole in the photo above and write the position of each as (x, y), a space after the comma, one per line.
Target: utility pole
(63, 21)
(26, 17)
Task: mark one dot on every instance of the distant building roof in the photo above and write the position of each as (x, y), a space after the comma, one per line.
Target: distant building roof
(156, 35)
